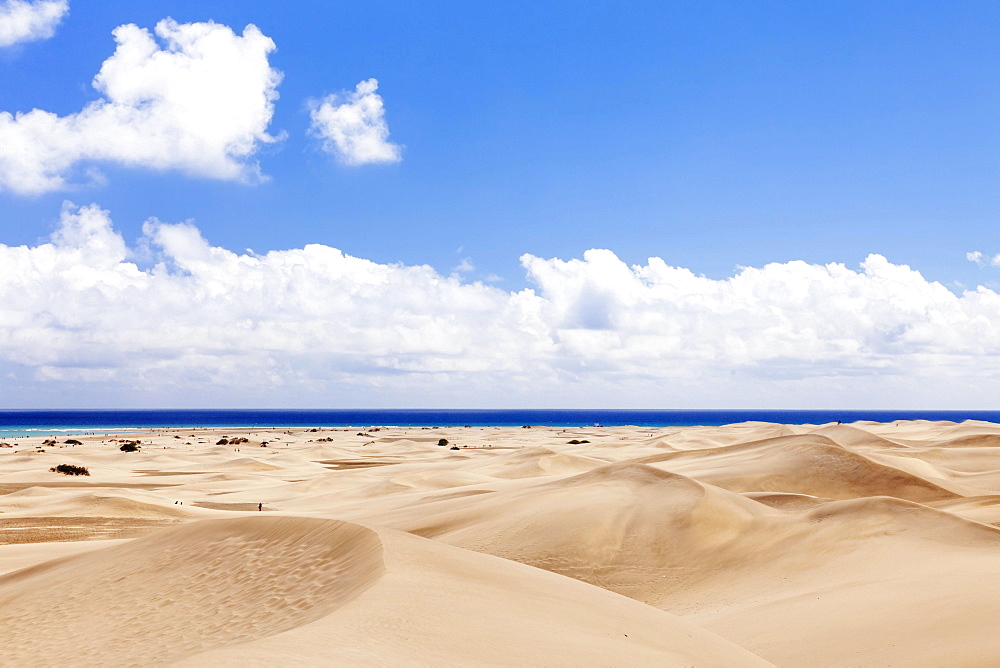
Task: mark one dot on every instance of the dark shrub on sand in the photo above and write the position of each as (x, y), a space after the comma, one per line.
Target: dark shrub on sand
(443, 441)
(129, 447)
(70, 469)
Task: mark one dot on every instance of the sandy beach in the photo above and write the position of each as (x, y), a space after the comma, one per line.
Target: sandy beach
(749, 544)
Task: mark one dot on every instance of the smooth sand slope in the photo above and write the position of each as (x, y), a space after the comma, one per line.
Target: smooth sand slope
(800, 545)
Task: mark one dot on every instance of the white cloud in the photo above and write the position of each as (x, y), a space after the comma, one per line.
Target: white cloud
(22, 21)
(465, 266)
(353, 126)
(200, 103)
(979, 258)
(313, 326)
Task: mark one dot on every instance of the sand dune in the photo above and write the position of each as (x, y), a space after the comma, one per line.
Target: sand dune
(106, 504)
(802, 545)
(847, 435)
(697, 438)
(625, 527)
(261, 589)
(803, 464)
(185, 590)
(971, 441)
(906, 594)
(537, 461)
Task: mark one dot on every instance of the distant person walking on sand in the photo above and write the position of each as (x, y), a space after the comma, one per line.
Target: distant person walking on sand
(260, 507)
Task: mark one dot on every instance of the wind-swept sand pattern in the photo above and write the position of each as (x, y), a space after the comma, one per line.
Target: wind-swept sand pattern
(862, 544)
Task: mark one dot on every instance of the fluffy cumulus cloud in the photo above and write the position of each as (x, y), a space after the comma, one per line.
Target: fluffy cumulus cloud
(313, 326)
(194, 97)
(22, 21)
(352, 127)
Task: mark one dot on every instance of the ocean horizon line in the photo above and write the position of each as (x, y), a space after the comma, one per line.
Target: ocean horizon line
(34, 422)
(490, 409)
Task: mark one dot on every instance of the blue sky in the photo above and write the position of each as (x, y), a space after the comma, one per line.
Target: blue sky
(714, 136)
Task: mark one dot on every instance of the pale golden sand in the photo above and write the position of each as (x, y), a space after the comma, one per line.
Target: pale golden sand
(749, 544)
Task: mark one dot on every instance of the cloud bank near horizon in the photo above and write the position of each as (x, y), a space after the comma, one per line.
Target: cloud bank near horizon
(22, 21)
(312, 325)
(199, 100)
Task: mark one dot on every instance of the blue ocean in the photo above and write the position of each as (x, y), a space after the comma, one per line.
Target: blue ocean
(15, 423)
